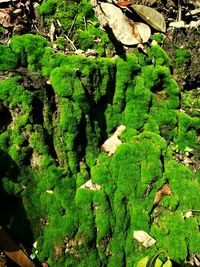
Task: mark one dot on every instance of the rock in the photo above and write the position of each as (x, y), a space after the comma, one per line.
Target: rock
(111, 144)
(144, 238)
(91, 185)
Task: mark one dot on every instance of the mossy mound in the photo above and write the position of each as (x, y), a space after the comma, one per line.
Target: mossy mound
(51, 139)
(75, 21)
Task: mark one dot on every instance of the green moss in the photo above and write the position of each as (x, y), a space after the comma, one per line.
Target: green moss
(80, 24)
(8, 60)
(84, 40)
(29, 50)
(182, 56)
(186, 135)
(62, 80)
(159, 55)
(158, 37)
(50, 61)
(48, 7)
(48, 159)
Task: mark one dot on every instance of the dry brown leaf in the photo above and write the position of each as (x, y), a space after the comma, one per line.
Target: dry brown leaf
(151, 16)
(13, 251)
(163, 191)
(5, 17)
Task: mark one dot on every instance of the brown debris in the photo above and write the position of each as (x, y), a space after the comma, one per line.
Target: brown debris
(11, 249)
(163, 191)
(5, 17)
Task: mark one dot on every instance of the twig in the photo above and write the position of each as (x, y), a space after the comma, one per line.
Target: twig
(71, 42)
(85, 23)
(179, 15)
(72, 25)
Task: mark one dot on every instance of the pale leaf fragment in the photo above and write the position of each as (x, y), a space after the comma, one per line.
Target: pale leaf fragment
(143, 30)
(111, 144)
(188, 214)
(91, 185)
(144, 238)
(177, 24)
(151, 16)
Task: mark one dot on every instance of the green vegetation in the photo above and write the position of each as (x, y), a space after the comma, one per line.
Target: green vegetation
(51, 141)
(8, 60)
(76, 19)
(182, 56)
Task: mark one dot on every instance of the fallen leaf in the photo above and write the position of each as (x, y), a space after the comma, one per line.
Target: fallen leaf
(143, 30)
(4, 1)
(91, 185)
(119, 23)
(144, 238)
(150, 16)
(111, 144)
(163, 191)
(13, 251)
(124, 3)
(5, 17)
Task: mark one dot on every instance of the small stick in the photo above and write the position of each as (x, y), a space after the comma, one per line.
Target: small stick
(73, 22)
(85, 23)
(71, 42)
(179, 15)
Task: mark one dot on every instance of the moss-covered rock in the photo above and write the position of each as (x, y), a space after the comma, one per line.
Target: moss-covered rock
(52, 141)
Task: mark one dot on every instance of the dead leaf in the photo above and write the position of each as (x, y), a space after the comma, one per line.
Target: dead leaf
(163, 191)
(144, 238)
(5, 17)
(4, 1)
(13, 251)
(111, 144)
(150, 16)
(124, 3)
(143, 30)
(119, 23)
(91, 185)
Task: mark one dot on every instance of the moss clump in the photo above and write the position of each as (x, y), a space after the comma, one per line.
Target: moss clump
(52, 141)
(79, 23)
(182, 56)
(48, 7)
(29, 50)
(8, 60)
